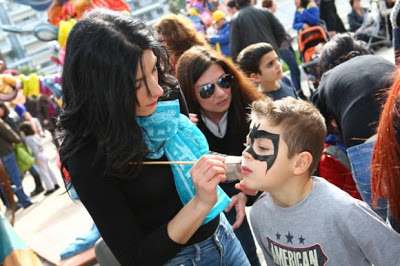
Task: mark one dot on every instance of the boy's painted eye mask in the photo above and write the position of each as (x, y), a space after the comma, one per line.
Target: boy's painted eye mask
(262, 134)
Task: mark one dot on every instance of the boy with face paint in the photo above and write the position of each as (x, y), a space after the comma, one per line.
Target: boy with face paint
(303, 219)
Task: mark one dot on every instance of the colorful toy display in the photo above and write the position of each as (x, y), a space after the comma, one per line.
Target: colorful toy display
(65, 10)
(63, 14)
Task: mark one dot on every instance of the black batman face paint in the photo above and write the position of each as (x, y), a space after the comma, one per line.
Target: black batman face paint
(263, 145)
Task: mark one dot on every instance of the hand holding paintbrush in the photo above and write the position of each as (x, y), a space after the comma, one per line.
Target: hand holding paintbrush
(233, 166)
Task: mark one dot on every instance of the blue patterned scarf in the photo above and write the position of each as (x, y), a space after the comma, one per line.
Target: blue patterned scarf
(173, 134)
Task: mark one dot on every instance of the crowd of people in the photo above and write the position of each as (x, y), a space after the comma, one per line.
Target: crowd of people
(22, 149)
(321, 173)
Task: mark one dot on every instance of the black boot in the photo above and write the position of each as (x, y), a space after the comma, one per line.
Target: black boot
(37, 191)
(38, 182)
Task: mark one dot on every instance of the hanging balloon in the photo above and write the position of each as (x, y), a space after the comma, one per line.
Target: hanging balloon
(64, 29)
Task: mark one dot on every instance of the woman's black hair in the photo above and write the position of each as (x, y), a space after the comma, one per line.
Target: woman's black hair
(99, 88)
(27, 128)
(304, 3)
(341, 49)
(5, 108)
(242, 3)
(232, 4)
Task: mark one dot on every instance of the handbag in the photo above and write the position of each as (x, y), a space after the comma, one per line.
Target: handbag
(24, 158)
(8, 192)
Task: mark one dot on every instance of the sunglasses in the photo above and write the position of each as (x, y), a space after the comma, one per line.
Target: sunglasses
(225, 82)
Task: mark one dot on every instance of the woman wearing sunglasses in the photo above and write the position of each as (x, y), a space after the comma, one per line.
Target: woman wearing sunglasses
(218, 95)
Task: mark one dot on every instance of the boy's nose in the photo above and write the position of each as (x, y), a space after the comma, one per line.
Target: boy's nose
(245, 154)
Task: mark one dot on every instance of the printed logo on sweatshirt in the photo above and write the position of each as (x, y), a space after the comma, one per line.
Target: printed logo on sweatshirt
(305, 256)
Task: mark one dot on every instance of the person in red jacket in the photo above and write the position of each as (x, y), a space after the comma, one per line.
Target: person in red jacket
(334, 166)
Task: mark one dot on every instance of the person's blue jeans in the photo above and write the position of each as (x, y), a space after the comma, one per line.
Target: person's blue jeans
(222, 248)
(4, 198)
(288, 55)
(10, 163)
(360, 157)
(243, 233)
(396, 44)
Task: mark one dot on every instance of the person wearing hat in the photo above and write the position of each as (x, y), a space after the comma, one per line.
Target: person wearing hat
(193, 15)
(222, 36)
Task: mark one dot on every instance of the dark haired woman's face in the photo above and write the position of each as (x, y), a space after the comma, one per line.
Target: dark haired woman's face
(220, 99)
(357, 4)
(147, 96)
(231, 10)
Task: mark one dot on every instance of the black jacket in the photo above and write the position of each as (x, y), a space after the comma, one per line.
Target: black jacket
(253, 25)
(7, 138)
(350, 93)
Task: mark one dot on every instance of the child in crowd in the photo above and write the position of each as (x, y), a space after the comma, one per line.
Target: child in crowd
(307, 14)
(47, 172)
(36, 126)
(300, 219)
(261, 64)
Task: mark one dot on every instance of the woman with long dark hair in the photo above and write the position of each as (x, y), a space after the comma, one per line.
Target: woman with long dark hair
(218, 97)
(119, 139)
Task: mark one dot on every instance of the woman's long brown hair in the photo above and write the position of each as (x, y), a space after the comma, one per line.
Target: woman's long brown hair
(195, 61)
(385, 168)
(179, 33)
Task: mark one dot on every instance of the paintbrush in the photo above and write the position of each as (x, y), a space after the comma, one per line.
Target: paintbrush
(233, 166)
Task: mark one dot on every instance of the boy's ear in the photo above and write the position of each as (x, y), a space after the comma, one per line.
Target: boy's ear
(334, 123)
(303, 162)
(255, 77)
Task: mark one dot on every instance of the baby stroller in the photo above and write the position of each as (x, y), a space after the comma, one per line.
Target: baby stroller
(308, 40)
(378, 31)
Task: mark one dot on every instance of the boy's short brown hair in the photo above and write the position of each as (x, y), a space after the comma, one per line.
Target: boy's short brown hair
(302, 125)
(250, 57)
